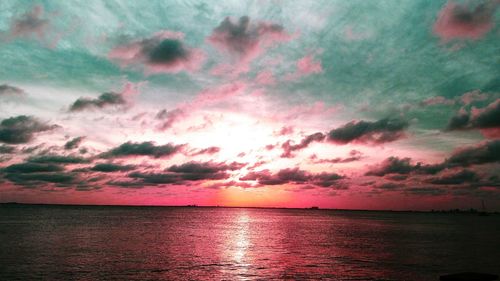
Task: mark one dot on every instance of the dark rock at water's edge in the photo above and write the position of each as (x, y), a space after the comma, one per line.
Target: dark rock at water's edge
(469, 276)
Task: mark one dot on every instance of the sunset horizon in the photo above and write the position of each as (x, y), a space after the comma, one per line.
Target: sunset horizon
(280, 140)
(295, 106)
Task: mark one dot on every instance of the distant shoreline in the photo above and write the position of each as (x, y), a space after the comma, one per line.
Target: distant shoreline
(453, 211)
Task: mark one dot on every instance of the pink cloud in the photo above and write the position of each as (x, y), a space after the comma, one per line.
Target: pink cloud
(459, 21)
(491, 133)
(131, 90)
(164, 52)
(227, 184)
(217, 94)
(465, 99)
(437, 101)
(209, 150)
(265, 77)
(486, 119)
(29, 24)
(285, 130)
(494, 106)
(306, 66)
(205, 98)
(225, 69)
(35, 24)
(168, 118)
(473, 96)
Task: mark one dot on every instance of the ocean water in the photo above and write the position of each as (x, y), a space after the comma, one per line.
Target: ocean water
(175, 243)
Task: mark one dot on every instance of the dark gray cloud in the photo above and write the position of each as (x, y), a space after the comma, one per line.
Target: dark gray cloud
(57, 159)
(484, 118)
(459, 121)
(430, 169)
(126, 184)
(27, 167)
(209, 150)
(30, 23)
(381, 131)
(86, 187)
(42, 171)
(144, 149)
(187, 172)
(449, 172)
(295, 175)
(33, 178)
(290, 175)
(389, 186)
(21, 129)
(31, 149)
(245, 38)
(265, 177)
(486, 152)
(74, 143)
(461, 177)
(402, 166)
(489, 117)
(204, 170)
(289, 148)
(104, 100)
(10, 91)
(469, 20)
(111, 167)
(393, 165)
(325, 179)
(354, 155)
(5, 149)
(168, 118)
(156, 178)
(162, 114)
(397, 177)
(163, 52)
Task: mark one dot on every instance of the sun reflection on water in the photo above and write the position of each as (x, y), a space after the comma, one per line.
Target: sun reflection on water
(240, 238)
(238, 244)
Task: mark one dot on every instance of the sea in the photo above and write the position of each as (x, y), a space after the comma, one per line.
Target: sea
(49, 242)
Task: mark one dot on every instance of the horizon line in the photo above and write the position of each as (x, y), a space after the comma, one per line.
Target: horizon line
(312, 208)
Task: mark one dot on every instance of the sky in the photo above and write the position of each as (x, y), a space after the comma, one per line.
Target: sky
(267, 103)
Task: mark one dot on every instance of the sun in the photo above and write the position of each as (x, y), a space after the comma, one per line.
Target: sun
(239, 136)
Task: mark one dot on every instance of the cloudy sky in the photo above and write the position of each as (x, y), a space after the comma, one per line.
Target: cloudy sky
(341, 104)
